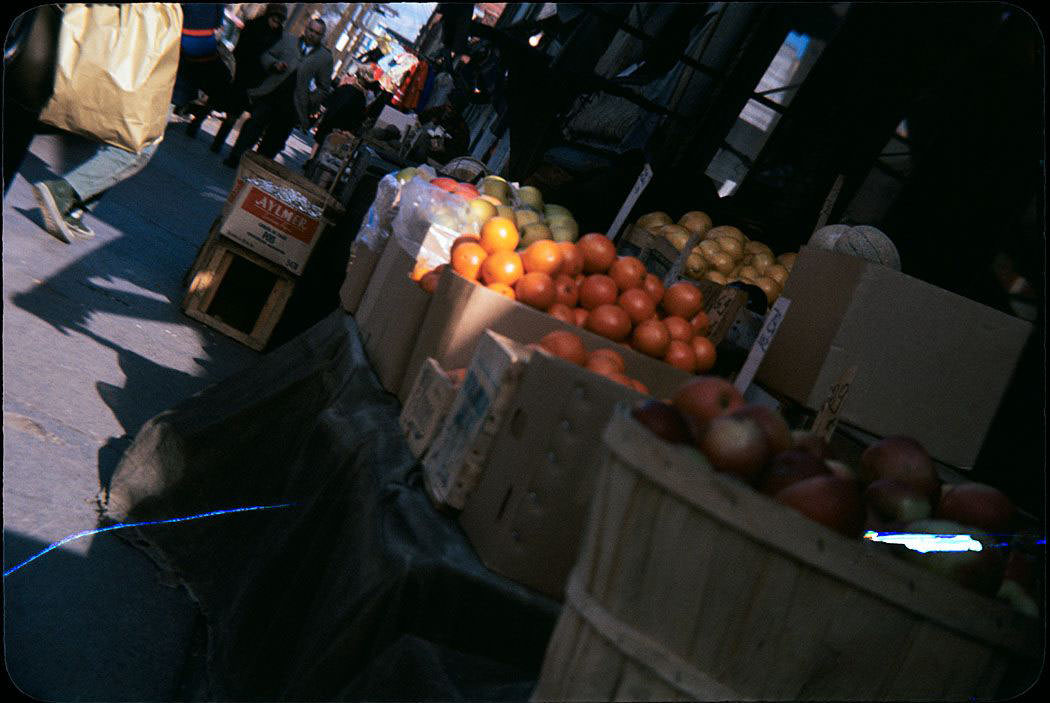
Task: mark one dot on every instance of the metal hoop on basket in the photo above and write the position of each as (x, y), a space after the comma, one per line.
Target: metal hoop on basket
(465, 168)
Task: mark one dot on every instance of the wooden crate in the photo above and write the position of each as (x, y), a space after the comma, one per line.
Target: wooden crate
(237, 292)
(692, 586)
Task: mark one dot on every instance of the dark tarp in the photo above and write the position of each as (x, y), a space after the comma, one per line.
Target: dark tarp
(361, 589)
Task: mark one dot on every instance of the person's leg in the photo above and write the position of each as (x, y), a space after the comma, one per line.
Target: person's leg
(277, 133)
(238, 103)
(225, 128)
(63, 201)
(262, 115)
(108, 167)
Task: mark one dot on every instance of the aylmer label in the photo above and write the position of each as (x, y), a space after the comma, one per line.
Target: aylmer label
(271, 228)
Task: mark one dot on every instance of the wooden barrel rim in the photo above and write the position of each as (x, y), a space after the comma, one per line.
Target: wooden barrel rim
(730, 502)
(665, 664)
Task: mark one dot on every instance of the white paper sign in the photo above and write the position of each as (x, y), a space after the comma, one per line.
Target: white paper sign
(765, 337)
(632, 197)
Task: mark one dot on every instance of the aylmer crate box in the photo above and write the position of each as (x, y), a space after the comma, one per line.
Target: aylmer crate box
(930, 364)
(266, 224)
(690, 585)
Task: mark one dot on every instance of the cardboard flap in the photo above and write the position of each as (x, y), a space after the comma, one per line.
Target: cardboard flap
(517, 518)
(821, 281)
(885, 303)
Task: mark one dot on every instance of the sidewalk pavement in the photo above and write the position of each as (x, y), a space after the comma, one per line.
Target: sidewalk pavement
(94, 344)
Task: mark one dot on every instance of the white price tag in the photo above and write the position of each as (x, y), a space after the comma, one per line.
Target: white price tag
(765, 338)
(828, 415)
(643, 180)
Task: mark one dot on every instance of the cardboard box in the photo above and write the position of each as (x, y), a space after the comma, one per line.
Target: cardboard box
(272, 229)
(929, 363)
(427, 407)
(458, 454)
(390, 315)
(359, 269)
(636, 241)
(461, 312)
(393, 117)
(525, 517)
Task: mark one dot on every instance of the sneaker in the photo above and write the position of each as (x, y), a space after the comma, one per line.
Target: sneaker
(56, 199)
(74, 222)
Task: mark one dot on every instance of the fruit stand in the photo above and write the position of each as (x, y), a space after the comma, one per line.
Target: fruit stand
(521, 448)
(527, 460)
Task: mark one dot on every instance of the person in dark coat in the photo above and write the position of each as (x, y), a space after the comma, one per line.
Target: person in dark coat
(344, 109)
(201, 68)
(298, 79)
(256, 37)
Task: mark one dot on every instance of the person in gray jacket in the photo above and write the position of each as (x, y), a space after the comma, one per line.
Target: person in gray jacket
(299, 78)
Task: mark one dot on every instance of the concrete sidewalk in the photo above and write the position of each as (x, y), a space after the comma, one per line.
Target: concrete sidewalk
(94, 344)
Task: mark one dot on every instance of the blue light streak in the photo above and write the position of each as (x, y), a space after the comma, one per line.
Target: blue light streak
(122, 525)
(926, 542)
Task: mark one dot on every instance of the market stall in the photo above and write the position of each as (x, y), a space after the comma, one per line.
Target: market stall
(682, 457)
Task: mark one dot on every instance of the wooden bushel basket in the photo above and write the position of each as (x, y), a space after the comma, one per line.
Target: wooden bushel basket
(692, 586)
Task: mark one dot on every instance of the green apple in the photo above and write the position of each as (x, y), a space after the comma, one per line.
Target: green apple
(524, 216)
(535, 232)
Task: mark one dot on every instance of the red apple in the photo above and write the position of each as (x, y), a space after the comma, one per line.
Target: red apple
(901, 459)
(663, 420)
(704, 398)
(810, 442)
(790, 467)
(840, 469)
(895, 502)
(776, 430)
(735, 445)
(832, 501)
(980, 571)
(977, 504)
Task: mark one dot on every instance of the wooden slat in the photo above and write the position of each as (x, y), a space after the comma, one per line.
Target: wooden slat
(808, 617)
(595, 668)
(210, 275)
(779, 528)
(682, 553)
(638, 684)
(563, 643)
(768, 606)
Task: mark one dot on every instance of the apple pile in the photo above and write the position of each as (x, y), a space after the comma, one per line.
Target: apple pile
(602, 361)
(724, 254)
(895, 488)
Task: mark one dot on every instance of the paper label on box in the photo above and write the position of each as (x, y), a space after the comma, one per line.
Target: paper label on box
(758, 351)
(720, 313)
(456, 455)
(426, 407)
(270, 228)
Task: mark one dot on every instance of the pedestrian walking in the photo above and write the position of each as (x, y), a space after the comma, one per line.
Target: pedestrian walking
(93, 98)
(256, 37)
(344, 110)
(299, 78)
(201, 68)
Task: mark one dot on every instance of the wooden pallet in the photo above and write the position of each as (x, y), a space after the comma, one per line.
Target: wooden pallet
(237, 292)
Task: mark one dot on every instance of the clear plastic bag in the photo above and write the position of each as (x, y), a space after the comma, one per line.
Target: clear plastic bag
(379, 222)
(429, 220)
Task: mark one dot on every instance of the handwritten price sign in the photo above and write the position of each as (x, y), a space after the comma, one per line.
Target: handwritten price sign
(765, 338)
(828, 415)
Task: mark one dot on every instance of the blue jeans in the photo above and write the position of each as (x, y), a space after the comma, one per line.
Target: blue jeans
(106, 168)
